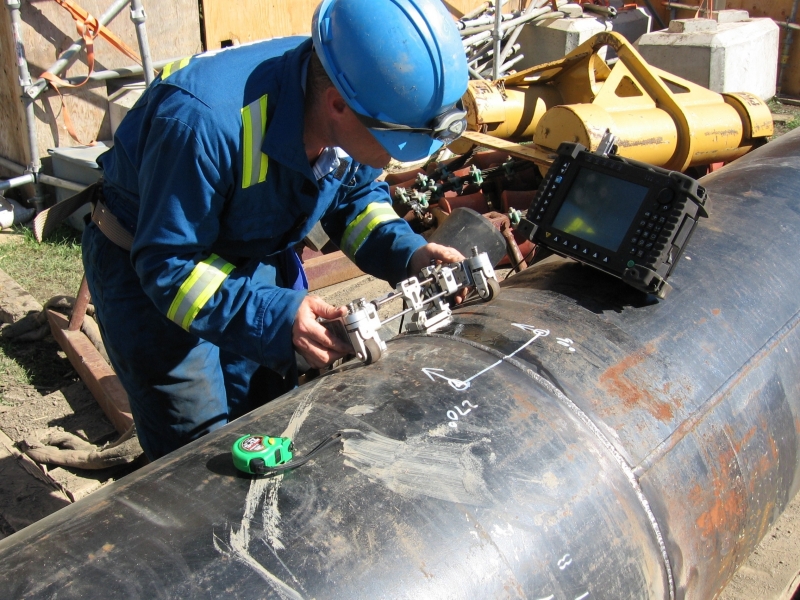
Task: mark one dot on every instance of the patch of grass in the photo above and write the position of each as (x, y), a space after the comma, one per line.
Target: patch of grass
(49, 269)
(10, 372)
(793, 124)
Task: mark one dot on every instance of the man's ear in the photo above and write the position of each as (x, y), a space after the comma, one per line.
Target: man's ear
(334, 104)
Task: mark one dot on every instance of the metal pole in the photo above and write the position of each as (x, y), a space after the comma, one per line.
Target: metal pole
(7, 184)
(787, 45)
(62, 183)
(35, 164)
(509, 24)
(497, 36)
(70, 55)
(515, 34)
(121, 71)
(138, 17)
(12, 166)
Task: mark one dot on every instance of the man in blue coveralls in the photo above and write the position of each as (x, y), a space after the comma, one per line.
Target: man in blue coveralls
(223, 167)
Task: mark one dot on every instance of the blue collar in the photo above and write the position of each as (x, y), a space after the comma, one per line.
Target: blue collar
(283, 141)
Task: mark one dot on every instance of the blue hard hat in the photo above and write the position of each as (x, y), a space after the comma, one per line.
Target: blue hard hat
(400, 66)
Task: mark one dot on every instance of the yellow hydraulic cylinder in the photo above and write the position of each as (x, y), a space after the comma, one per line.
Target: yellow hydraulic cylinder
(657, 117)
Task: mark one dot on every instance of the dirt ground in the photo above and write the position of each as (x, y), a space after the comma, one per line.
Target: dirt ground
(57, 400)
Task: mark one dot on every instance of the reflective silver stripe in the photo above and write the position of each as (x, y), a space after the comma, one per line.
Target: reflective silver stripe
(174, 66)
(254, 126)
(363, 225)
(204, 280)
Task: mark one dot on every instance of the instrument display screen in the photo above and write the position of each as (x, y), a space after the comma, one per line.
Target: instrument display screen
(599, 208)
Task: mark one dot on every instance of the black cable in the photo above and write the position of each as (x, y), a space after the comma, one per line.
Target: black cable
(296, 462)
(524, 260)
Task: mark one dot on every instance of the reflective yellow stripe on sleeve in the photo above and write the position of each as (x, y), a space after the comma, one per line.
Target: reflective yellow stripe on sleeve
(204, 280)
(359, 229)
(254, 126)
(173, 67)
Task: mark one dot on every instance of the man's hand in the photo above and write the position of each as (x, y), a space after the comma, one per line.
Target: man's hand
(317, 345)
(438, 254)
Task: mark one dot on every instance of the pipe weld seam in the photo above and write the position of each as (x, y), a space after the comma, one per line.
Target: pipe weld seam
(602, 438)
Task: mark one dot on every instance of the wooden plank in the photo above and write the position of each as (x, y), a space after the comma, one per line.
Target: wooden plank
(13, 140)
(94, 371)
(15, 301)
(253, 20)
(173, 30)
(529, 152)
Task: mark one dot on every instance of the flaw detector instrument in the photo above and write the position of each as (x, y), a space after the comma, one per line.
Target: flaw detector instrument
(425, 301)
(624, 217)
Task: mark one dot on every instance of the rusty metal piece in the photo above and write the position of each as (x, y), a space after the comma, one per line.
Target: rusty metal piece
(476, 202)
(513, 249)
(94, 371)
(329, 269)
(79, 310)
(400, 177)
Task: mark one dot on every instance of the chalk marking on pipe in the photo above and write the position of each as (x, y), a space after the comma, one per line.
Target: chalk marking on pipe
(461, 386)
(148, 514)
(360, 410)
(284, 590)
(264, 492)
(420, 467)
(604, 440)
(564, 562)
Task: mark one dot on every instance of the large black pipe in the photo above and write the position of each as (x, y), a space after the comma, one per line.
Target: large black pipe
(571, 439)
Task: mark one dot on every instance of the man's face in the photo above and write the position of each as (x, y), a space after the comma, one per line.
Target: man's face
(355, 139)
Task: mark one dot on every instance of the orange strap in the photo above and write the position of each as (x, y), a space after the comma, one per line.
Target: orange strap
(81, 16)
(88, 28)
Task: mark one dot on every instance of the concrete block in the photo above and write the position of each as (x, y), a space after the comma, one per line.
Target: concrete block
(732, 16)
(740, 56)
(692, 26)
(553, 39)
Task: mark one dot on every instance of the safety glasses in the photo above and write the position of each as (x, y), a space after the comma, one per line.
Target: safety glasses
(445, 128)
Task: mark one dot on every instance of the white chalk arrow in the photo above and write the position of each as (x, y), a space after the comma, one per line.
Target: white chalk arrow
(460, 385)
(456, 384)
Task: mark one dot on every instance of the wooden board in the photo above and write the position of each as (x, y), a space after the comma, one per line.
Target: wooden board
(243, 21)
(531, 152)
(173, 30)
(94, 371)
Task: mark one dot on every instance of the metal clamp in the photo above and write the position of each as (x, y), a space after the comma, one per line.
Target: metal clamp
(424, 300)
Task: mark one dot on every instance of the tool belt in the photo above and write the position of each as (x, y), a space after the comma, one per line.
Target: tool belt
(110, 225)
(49, 219)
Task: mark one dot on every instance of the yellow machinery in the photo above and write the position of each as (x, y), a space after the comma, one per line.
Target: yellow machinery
(657, 117)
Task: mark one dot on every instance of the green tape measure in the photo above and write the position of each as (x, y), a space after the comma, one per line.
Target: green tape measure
(258, 454)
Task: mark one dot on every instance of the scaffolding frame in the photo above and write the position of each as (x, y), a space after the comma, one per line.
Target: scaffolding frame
(31, 90)
(95, 372)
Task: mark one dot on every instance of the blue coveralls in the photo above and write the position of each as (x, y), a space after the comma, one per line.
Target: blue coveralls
(209, 171)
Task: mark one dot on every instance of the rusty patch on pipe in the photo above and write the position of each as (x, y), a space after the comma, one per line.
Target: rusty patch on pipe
(727, 503)
(616, 382)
